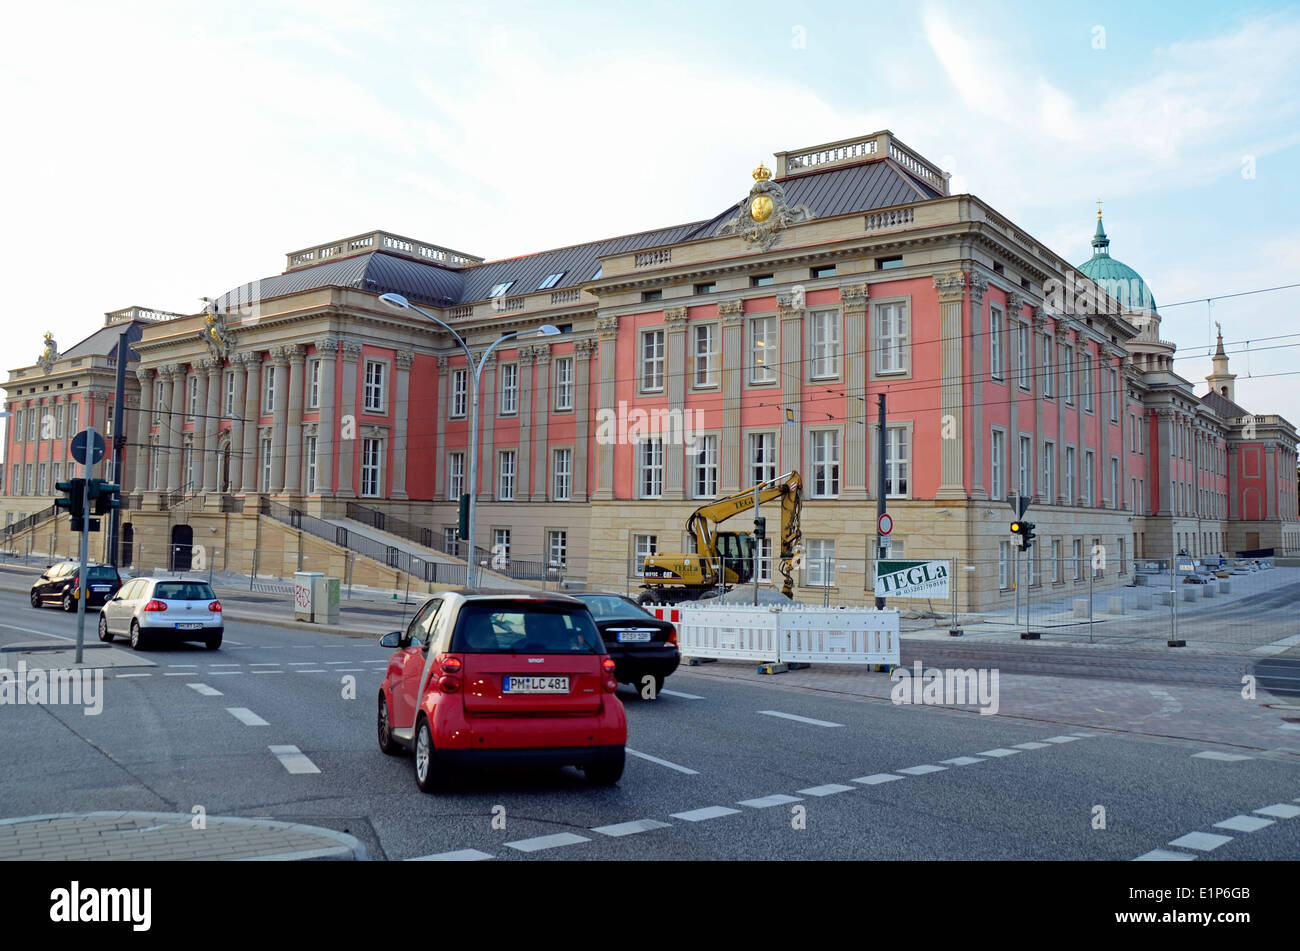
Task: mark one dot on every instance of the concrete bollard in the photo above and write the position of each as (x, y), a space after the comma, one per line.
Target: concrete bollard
(1080, 607)
(1144, 601)
(1225, 586)
(1115, 605)
(1210, 591)
(1189, 593)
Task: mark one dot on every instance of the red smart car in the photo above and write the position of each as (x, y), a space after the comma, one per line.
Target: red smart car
(502, 678)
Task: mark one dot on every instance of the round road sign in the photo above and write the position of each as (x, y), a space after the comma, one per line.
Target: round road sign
(885, 524)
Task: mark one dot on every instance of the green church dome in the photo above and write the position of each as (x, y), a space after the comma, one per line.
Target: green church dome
(1116, 278)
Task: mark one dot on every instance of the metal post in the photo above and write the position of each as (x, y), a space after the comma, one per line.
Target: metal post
(758, 549)
(85, 541)
(1029, 587)
(826, 583)
(880, 482)
(1015, 573)
(119, 445)
(1091, 574)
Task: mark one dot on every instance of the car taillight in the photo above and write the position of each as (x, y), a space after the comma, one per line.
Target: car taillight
(215, 606)
(156, 605)
(672, 637)
(607, 665)
(448, 684)
(451, 665)
(611, 684)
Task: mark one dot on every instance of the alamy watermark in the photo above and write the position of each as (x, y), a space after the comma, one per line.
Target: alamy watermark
(55, 687)
(946, 687)
(621, 426)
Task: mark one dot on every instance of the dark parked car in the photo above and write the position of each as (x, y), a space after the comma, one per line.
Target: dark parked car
(60, 584)
(640, 644)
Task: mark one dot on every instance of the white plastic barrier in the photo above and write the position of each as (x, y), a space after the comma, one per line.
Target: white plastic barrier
(788, 633)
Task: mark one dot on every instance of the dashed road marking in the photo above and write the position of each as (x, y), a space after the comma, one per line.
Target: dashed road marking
(460, 855)
(876, 779)
(767, 802)
(293, 759)
(678, 693)
(1280, 811)
(179, 666)
(266, 663)
(552, 841)
(246, 716)
(348, 670)
(1031, 746)
(1244, 823)
(125, 676)
(224, 673)
(1061, 739)
(792, 716)
(1221, 757)
(631, 828)
(181, 673)
(962, 760)
(205, 690)
(225, 665)
(661, 762)
(270, 671)
(708, 812)
(1201, 841)
(921, 770)
(339, 662)
(1164, 855)
(301, 663)
(311, 670)
(829, 789)
(999, 752)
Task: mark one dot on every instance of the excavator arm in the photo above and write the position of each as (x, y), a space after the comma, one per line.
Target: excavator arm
(704, 521)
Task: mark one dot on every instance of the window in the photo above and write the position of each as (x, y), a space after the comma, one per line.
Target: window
(1114, 483)
(652, 361)
(157, 399)
(228, 385)
(506, 464)
(1085, 384)
(763, 357)
(76, 419)
(821, 563)
(1049, 473)
(997, 456)
(1114, 394)
(825, 343)
(313, 386)
(15, 485)
(1022, 354)
(892, 333)
(643, 546)
(1025, 480)
(501, 544)
(1097, 570)
(374, 388)
(266, 464)
(42, 487)
(557, 549)
(896, 458)
(708, 288)
(600, 269)
(1067, 372)
(763, 568)
(1048, 388)
(450, 544)
(1136, 501)
(826, 270)
(193, 399)
(56, 473)
(706, 467)
(187, 468)
(995, 343)
(459, 392)
(154, 461)
(1088, 468)
(268, 388)
(309, 450)
(561, 474)
(509, 389)
(58, 420)
(499, 289)
(370, 461)
(455, 475)
(886, 264)
(648, 296)
(31, 488)
(762, 280)
(706, 355)
(551, 280)
(650, 452)
(762, 457)
(1056, 561)
(1070, 497)
(31, 424)
(1004, 564)
(564, 384)
(826, 464)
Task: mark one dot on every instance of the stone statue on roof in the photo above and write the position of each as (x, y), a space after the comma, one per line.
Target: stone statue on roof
(51, 353)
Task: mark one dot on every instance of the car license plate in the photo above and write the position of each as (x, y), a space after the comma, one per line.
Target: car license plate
(99, 587)
(188, 627)
(536, 685)
(633, 637)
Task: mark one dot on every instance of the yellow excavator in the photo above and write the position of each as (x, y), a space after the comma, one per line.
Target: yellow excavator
(687, 577)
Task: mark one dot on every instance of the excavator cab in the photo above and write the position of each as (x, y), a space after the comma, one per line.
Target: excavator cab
(737, 552)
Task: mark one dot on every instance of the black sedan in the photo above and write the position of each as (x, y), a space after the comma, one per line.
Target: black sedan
(60, 584)
(641, 645)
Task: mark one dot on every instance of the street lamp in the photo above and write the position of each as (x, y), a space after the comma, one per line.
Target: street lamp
(546, 330)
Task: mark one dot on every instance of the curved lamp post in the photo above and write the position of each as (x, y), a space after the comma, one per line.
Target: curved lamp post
(546, 330)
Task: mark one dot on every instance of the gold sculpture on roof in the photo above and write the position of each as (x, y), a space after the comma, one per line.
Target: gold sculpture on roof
(51, 352)
(765, 213)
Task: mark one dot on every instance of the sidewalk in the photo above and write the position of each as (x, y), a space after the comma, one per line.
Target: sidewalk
(157, 836)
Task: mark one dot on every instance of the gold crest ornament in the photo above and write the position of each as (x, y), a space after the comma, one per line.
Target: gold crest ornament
(761, 207)
(51, 353)
(765, 213)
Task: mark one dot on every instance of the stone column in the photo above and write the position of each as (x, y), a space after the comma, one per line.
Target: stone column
(543, 374)
(486, 416)
(252, 411)
(441, 488)
(280, 416)
(297, 354)
(951, 289)
(582, 351)
(237, 367)
(139, 426)
(527, 383)
(731, 462)
(401, 413)
(348, 414)
(979, 377)
(854, 299)
(173, 428)
(1038, 343)
(790, 313)
(677, 369)
(210, 424)
(327, 349)
(607, 332)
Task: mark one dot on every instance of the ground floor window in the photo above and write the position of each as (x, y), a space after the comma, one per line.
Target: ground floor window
(643, 546)
(557, 549)
(820, 554)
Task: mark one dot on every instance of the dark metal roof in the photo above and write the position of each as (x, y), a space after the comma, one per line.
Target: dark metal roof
(103, 342)
(1223, 406)
(374, 271)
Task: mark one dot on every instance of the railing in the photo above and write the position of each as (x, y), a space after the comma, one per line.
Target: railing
(566, 297)
(651, 258)
(854, 150)
(232, 505)
(385, 522)
(890, 219)
(459, 313)
(915, 165)
(30, 521)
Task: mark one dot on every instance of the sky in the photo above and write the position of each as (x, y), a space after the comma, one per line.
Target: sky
(164, 152)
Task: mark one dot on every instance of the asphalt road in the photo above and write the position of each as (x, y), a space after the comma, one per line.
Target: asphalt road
(728, 769)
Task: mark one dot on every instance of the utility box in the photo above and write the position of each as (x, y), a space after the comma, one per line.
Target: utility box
(304, 591)
(325, 599)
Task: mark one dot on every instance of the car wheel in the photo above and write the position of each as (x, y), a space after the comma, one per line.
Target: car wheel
(36, 599)
(387, 744)
(104, 634)
(137, 638)
(213, 641)
(426, 763)
(607, 772)
(68, 604)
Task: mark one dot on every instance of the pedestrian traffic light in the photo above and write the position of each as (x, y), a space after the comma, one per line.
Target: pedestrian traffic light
(73, 501)
(1024, 532)
(462, 529)
(105, 495)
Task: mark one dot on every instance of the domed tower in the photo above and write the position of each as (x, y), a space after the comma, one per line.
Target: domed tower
(1137, 304)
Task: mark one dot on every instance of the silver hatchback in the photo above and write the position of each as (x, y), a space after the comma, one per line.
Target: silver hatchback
(158, 609)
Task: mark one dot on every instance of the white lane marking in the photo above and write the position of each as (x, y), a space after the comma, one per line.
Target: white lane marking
(268, 663)
(999, 752)
(767, 802)
(678, 693)
(311, 670)
(553, 841)
(236, 643)
(270, 671)
(1201, 841)
(1083, 734)
(1061, 739)
(708, 812)
(294, 759)
(1031, 746)
(876, 779)
(921, 770)
(1281, 811)
(124, 676)
(460, 855)
(661, 762)
(225, 665)
(348, 670)
(631, 828)
(962, 760)
(1220, 757)
(205, 690)
(829, 789)
(1244, 823)
(301, 663)
(1164, 855)
(340, 662)
(223, 673)
(181, 673)
(179, 666)
(791, 716)
(28, 630)
(246, 716)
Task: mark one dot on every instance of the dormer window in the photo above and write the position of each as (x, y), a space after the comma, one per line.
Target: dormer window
(551, 280)
(499, 289)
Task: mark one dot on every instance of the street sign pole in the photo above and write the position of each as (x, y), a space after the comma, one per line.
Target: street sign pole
(85, 541)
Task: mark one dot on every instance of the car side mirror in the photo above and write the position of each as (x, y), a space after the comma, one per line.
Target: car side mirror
(392, 640)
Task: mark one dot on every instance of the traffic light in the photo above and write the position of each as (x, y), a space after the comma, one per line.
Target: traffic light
(1028, 528)
(105, 496)
(1024, 532)
(760, 527)
(463, 528)
(73, 498)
